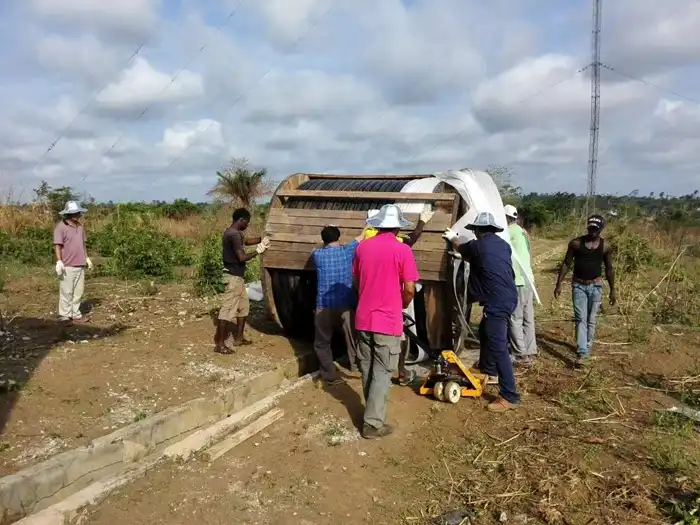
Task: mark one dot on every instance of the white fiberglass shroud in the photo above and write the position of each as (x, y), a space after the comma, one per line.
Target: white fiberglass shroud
(480, 193)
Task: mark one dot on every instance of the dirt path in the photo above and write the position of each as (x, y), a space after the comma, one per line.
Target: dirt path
(140, 354)
(586, 447)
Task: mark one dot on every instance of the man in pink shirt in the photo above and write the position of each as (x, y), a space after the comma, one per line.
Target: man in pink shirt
(71, 261)
(385, 274)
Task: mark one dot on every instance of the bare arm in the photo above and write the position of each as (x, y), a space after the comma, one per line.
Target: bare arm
(407, 293)
(413, 237)
(609, 272)
(251, 241)
(571, 250)
(58, 250)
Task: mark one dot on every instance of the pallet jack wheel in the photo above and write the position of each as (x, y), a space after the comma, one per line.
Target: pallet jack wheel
(452, 392)
(439, 390)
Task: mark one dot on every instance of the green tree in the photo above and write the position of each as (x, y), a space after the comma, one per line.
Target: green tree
(240, 184)
(55, 198)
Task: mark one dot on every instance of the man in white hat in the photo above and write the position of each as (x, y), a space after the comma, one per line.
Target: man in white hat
(491, 284)
(71, 261)
(406, 376)
(521, 329)
(385, 275)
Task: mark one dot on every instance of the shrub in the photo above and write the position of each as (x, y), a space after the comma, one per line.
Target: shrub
(31, 246)
(137, 249)
(210, 267)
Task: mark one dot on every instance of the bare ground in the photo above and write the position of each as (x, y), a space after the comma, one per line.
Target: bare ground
(140, 354)
(586, 447)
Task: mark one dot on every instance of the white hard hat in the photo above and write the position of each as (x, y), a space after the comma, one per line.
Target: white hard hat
(511, 211)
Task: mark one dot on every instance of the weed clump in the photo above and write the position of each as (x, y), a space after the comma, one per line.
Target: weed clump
(210, 268)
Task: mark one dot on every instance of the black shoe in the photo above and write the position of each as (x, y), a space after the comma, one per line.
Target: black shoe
(370, 432)
(581, 361)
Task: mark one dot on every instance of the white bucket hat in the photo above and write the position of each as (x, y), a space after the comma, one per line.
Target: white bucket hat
(389, 217)
(484, 221)
(511, 211)
(72, 208)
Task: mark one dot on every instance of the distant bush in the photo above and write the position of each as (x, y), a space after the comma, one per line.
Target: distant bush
(180, 209)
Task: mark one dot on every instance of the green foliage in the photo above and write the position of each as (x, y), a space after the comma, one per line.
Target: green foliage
(503, 177)
(180, 209)
(239, 183)
(252, 270)
(683, 509)
(55, 198)
(136, 249)
(32, 246)
(632, 251)
(210, 268)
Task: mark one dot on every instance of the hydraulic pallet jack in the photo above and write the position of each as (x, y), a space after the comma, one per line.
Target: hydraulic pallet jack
(449, 380)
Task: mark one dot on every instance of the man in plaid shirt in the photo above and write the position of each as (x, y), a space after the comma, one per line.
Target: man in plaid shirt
(335, 300)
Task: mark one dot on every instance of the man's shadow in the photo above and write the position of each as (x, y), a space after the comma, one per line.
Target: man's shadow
(554, 348)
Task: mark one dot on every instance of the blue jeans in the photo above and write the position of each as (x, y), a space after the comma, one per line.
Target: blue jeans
(587, 299)
(494, 358)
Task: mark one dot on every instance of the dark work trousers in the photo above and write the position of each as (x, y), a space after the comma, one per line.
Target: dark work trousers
(327, 320)
(494, 358)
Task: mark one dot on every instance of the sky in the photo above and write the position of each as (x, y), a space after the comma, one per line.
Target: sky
(146, 99)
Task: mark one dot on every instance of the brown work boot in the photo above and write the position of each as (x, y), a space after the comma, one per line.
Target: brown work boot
(501, 405)
(370, 432)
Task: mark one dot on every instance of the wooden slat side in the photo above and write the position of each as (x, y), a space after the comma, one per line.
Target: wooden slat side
(367, 195)
(341, 176)
(278, 258)
(279, 222)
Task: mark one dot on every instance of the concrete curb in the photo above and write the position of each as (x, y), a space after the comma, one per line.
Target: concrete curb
(66, 474)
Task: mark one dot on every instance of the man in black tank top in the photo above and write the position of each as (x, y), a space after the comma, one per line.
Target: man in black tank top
(588, 253)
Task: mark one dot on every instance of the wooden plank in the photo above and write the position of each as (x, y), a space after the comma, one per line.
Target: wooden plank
(260, 424)
(348, 232)
(306, 243)
(294, 260)
(353, 176)
(438, 307)
(367, 195)
(279, 221)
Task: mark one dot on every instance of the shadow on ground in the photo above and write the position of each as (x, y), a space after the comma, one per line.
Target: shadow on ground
(561, 350)
(25, 343)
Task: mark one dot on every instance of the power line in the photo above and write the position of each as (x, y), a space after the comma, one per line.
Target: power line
(170, 82)
(244, 93)
(65, 130)
(521, 101)
(650, 84)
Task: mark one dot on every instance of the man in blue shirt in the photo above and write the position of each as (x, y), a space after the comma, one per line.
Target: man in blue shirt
(335, 300)
(492, 284)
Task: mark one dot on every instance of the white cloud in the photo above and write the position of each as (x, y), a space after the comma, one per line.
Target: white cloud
(122, 18)
(391, 86)
(141, 85)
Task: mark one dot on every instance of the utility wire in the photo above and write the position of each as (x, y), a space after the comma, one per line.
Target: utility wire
(649, 83)
(65, 130)
(170, 82)
(245, 92)
(521, 101)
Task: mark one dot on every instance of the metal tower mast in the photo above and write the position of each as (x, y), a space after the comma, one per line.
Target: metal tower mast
(595, 108)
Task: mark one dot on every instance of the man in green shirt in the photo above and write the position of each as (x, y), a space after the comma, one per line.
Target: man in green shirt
(521, 329)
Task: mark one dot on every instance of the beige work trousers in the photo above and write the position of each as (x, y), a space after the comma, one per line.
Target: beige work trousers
(70, 293)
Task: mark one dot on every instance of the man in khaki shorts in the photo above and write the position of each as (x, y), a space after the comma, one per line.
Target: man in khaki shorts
(235, 306)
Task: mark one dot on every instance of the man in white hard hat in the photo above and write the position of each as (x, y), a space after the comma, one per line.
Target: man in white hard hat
(71, 261)
(521, 328)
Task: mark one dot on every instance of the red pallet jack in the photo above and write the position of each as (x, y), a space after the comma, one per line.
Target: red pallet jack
(449, 380)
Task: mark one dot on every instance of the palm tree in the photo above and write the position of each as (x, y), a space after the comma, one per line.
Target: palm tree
(238, 183)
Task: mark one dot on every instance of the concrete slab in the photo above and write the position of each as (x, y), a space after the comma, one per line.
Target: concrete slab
(45, 484)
